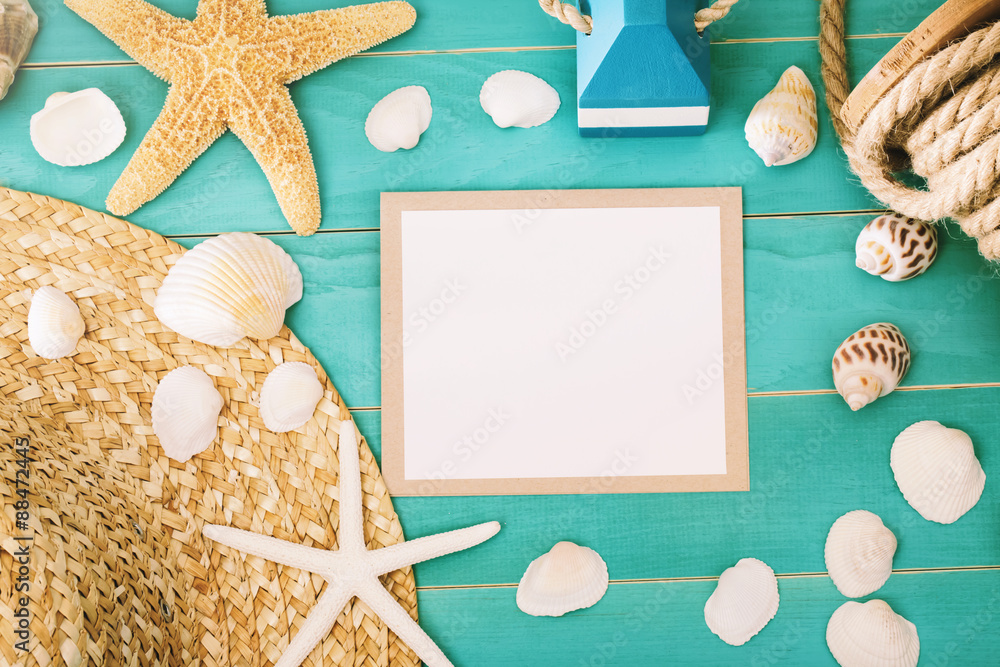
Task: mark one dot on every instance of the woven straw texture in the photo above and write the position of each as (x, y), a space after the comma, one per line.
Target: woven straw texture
(119, 573)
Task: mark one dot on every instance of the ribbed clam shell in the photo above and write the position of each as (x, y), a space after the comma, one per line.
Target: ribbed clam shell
(78, 128)
(289, 396)
(937, 471)
(870, 363)
(229, 287)
(399, 118)
(782, 126)
(872, 635)
(518, 99)
(859, 551)
(186, 408)
(896, 247)
(18, 27)
(567, 578)
(55, 325)
(745, 600)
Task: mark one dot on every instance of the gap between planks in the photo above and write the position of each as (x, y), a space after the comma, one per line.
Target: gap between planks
(792, 575)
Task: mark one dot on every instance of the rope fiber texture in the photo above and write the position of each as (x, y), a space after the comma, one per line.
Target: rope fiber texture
(570, 15)
(941, 120)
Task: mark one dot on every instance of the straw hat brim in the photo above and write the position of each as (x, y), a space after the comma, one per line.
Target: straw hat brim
(119, 573)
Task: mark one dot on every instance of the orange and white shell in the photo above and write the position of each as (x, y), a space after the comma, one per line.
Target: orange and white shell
(896, 247)
(782, 126)
(870, 364)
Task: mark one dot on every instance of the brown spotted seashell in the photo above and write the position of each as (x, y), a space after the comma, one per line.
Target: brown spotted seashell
(896, 247)
(870, 364)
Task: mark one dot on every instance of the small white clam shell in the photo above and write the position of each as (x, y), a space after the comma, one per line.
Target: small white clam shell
(745, 600)
(186, 408)
(937, 471)
(859, 551)
(55, 325)
(229, 287)
(518, 99)
(782, 126)
(896, 247)
(870, 364)
(872, 635)
(567, 578)
(75, 129)
(289, 396)
(399, 118)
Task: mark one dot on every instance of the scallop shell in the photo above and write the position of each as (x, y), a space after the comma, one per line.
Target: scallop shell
(782, 126)
(567, 578)
(896, 247)
(870, 364)
(55, 325)
(872, 635)
(186, 408)
(399, 118)
(289, 396)
(518, 99)
(234, 285)
(937, 470)
(75, 129)
(18, 27)
(859, 551)
(745, 600)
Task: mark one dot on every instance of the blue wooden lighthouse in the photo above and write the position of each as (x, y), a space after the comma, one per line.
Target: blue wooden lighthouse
(643, 71)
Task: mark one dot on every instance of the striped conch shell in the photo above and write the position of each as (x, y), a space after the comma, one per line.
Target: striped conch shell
(870, 364)
(896, 247)
(782, 126)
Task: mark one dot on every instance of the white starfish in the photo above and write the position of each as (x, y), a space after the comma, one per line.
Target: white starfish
(353, 570)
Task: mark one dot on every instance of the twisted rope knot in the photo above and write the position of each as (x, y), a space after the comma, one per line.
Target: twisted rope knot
(941, 120)
(570, 15)
(704, 17)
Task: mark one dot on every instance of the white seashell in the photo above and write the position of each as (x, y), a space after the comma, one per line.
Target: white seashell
(186, 408)
(78, 128)
(234, 285)
(55, 325)
(896, 247)
(567, 578)
(870, 364)
(872, 635)
(937, 470)
(745, 600)
(289, 396)
(399, 118)
(518, 99)
(782, 126)
(859, 551)
(18, 27)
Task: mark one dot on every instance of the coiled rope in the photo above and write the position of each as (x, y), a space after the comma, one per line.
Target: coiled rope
(941, 120)
(570, 15)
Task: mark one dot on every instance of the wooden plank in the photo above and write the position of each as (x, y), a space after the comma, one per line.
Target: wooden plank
(500, 24)
(663, 623)
(953, 20)
(811, 461)
(225, 189)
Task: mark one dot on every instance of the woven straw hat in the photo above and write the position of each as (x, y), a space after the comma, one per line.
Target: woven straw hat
(118, 572)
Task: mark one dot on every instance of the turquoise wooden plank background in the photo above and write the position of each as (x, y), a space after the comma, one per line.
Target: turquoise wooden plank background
(811, 458)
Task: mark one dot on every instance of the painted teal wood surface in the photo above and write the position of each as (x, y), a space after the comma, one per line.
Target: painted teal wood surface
(811, 458)
(661, 623)
(460, 24)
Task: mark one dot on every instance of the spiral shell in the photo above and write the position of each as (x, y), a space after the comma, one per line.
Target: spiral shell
(567, 578)
(870, 364)
(872, 635)
(55, 325)
(859, 551)
(782, 126)
(745, 600)
(896, 247)
(937, 471)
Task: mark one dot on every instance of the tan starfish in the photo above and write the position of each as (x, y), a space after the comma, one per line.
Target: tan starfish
(228, 69)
